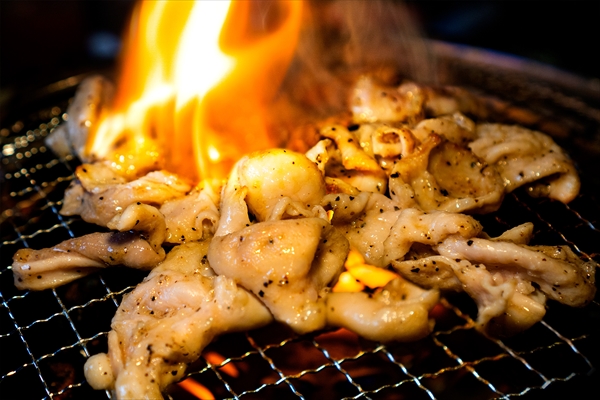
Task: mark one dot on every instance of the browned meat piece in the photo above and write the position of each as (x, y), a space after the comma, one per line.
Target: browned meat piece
(99, 194)
(399, 312)
(527, 158)
(443, 176)
(558, 272)
(93, 95)
(165, 323)
(77, 257)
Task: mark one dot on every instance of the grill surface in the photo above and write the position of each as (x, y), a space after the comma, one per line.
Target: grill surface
(45, 337)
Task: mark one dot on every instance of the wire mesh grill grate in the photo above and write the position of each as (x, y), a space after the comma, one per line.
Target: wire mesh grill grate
(46, 336)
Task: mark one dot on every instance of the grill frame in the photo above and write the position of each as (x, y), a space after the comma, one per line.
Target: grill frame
(46, 336)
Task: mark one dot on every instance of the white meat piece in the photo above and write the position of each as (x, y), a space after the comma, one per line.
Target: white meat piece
(365, 220)
(385, 141)
(136, 245)
(347, 161)
(526, 157)
(193, 217)
(167, 320)
(99, 194)
(371, 102)
(506, 304)
(558, 272)
(455, 128)
(399, 312)
(443, 176)
(378, 229)
(431, 228)
(277, 175)
(523, 310)
(427, 269)
(289, 264)
(93, 95)
(521, 234)
(352, 156)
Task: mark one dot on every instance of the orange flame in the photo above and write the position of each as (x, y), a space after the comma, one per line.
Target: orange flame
(196, 389)
(218, 360)
(196, 80)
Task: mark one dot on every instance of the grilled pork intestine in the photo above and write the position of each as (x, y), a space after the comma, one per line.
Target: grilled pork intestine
(520, 156)
(99, 193)
(93, 95)
(342, 158)
(382, 232)
(279, 232)
(556, 270)
(508, 280)
(441, 175)
(140, 232)
(288, 263)
(193, 217)
(526, 157)
(398, 312)
(167, 320)
(372, 102)
(278, 183)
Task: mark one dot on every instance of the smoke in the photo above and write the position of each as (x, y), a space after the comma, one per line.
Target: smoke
(343, 39)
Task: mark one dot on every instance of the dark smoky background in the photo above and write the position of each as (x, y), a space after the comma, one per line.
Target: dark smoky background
(45, 41)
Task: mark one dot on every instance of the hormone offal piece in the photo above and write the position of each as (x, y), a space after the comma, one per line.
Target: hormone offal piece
(397, 186)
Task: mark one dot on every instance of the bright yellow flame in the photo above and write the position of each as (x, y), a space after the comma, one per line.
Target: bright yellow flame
(194, 86)
(360, 274)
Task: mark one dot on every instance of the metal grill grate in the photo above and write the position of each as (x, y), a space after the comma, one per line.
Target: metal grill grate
(45, 337)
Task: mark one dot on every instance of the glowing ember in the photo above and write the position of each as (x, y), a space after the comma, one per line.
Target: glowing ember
(217, 359)
(195, 83)
(196, 389)
(359, 274)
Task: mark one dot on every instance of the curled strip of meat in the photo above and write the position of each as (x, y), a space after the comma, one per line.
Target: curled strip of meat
(347, 160)
(93, 95)
(352, 156)
(288, 264)
(166, 321)
(558, 272)
(192, 217)
(371, 102)
(274, 175)
(399, 312)
(526, 157)
(426, 268)
(77, 257)
(381, 232)
(506, 304)
(386, 143)
(415, 226)
(99, 194)
(455, 128)
(441, 175)
(366, 221)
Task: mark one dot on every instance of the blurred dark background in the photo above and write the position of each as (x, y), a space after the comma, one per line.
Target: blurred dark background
(45, 41)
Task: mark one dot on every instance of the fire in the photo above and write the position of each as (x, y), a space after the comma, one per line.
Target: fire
(196, 389)
(196, 80)
(359, 274)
